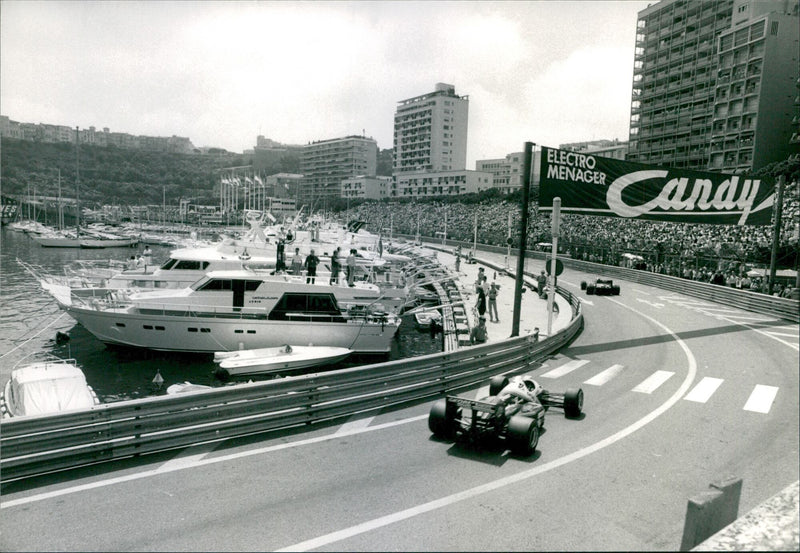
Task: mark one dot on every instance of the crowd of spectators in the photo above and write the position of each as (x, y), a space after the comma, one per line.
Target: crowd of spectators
(713, 253)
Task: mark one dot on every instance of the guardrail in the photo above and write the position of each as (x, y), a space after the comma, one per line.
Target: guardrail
(37, 445)
(743, 299)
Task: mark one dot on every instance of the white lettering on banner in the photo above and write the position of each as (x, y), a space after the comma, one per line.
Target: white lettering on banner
(562, 172)
(672, 195)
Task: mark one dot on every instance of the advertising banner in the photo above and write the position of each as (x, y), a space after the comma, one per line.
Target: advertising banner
(595, 185)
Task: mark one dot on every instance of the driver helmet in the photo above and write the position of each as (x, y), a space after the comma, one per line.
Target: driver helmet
(533, 387)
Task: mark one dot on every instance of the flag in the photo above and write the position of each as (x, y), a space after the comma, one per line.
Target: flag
(258, 180)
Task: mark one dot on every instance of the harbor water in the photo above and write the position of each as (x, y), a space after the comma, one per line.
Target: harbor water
(30, 321)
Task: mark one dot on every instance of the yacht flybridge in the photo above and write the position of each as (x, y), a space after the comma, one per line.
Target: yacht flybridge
(234, 310)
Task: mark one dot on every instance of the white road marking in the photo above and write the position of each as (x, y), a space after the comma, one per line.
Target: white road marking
(188, 456)
(356, 422)
(446, 501)
(603, 377)
(760, 401)
(565, 368)
(704, 390)
(750, 318)
(651, 303)
(652, 383)
(781, 334)
(587, 302)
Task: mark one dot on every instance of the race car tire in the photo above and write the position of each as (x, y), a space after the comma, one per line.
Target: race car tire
(522, 435)
(615, 290)
(573, 402)
(583, 285)
(590, 289)
(440, 420)
(496, 385)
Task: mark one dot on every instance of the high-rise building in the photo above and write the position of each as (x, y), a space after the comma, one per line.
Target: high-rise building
(756, 87)
(674, 77)
(713, 83)
(325, 164)
(430, 132)
(430, 147)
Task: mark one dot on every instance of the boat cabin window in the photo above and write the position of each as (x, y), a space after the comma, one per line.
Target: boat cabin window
(217, 284)
(191, 265)
(295, 306)
(168, 264)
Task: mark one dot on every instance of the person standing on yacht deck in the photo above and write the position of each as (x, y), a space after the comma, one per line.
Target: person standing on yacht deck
(297, 262)
(351, 267)
(311, 268)
(335, 266)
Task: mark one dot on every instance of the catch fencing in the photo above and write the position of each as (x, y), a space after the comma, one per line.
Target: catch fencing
(37, 445)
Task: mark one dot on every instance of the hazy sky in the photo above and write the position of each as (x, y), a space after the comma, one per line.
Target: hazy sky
(222, 73)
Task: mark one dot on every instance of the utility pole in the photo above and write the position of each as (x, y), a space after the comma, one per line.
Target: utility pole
(523, 238)
(776, 235)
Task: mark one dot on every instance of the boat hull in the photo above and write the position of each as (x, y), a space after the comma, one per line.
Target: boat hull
(210, 334)
(270, 360)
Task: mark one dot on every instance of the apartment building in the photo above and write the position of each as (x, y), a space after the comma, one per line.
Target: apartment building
(439, 183)
(325, 164)
(430, 132)
(711, 83)
(674, 78)
(756, 89)
(45, 132)
(613, 149)
(506, 172)
(366, 188)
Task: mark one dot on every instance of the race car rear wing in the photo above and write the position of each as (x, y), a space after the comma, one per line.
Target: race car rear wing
(496, 409)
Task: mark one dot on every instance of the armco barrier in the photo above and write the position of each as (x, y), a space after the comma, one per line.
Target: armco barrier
(743, 299)
(36, 445)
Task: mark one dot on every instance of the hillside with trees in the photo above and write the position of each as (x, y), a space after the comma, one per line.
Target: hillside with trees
(110, 175)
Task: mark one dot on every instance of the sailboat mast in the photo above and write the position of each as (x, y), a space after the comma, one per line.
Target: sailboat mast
(77, 181)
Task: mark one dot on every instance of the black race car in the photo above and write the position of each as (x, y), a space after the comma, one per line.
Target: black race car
(512, 412)
(601, 287)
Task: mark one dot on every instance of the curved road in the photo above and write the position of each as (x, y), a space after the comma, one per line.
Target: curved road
(679, 393)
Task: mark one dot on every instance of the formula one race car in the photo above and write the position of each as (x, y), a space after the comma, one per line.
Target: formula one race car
(601, 287)
(513, 412)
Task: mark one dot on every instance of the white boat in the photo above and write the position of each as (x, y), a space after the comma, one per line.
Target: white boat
(233, 310)
(183, 387)
(270, 360)
(43, 387)
(424, 317)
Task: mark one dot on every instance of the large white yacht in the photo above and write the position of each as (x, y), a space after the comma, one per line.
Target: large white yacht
(234, 310)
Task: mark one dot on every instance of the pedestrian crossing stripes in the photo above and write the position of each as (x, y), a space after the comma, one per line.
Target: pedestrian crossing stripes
(565, 369)
(603, 377)
(704, 390)
(760, 400)
(652, 383)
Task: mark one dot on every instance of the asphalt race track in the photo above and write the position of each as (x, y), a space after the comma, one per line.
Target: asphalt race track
(678, 393)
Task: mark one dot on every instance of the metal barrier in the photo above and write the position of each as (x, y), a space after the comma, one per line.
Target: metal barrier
(37, 445)
(743, 299)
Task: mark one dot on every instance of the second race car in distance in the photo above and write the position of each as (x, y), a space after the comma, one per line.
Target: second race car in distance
(601, 287)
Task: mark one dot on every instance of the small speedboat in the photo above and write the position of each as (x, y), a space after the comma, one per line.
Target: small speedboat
(424, 317)
(44, 387)
(183, 387)
(270, 360)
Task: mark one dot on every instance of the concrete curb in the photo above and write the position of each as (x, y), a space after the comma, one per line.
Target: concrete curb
(774, 525)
